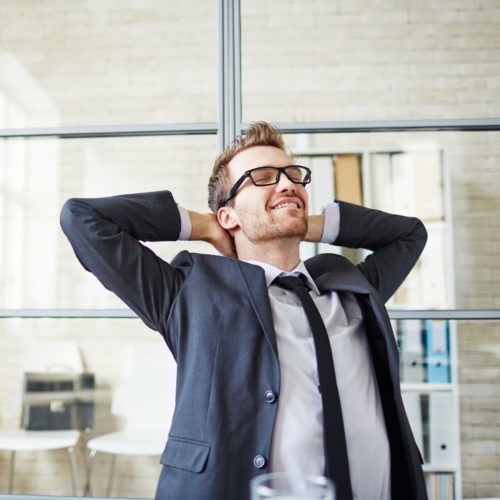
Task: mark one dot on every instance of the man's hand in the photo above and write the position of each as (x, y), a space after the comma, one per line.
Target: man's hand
(315, 228)
(206, 227)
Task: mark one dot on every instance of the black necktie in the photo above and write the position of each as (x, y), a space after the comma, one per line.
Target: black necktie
(337, 465)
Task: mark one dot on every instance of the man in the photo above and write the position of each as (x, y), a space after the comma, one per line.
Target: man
(247, 398)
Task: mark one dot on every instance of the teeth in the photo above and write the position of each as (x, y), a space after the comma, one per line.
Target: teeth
(285, 205)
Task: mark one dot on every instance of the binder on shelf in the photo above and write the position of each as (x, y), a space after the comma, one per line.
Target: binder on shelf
(410, 333)
(440, 486)
(429, 186)
(348, 182)
(437, 351)
(381, 182)
(441, 430)
(413, 407)
(403, 183)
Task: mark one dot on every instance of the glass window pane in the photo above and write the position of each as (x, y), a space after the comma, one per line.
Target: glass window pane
(113, 62)
(450, 383)
(38, 268)
(450, 180)
(448, 418)
(478, 362)
(363, 60)
(129, 368)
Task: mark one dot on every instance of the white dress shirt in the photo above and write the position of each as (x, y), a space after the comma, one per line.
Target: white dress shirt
(297, 445)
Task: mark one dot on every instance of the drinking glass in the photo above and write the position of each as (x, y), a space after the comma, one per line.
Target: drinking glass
(281, 486)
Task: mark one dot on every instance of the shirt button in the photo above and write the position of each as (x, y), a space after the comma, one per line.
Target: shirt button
(259, 461)
(270, 397)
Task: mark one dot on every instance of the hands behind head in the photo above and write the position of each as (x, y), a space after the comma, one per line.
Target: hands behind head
(222, 241)
(315, 228)
(206, 227)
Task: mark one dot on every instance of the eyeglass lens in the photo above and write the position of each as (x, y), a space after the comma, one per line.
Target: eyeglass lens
(270, 175)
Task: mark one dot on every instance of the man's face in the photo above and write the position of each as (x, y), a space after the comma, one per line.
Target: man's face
(265, 213)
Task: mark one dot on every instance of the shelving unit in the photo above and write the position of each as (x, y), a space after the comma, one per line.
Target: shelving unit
(409, 181)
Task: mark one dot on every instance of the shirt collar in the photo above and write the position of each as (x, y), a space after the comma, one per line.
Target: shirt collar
(271, 272)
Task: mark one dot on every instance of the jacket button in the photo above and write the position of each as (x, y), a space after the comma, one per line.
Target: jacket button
(270, 397)
(259, 461)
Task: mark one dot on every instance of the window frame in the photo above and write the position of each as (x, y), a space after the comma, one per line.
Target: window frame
(228, 126)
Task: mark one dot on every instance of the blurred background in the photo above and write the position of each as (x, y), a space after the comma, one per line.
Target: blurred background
(393, 104)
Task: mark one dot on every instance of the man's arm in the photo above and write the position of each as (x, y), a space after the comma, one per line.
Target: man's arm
(396, 241)
(106, 235)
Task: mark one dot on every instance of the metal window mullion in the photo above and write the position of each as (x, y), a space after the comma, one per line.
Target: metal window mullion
(446, 125)
(229, 58)
(221, 65)
(237, 81)
(51, 497)
(92, 131)
(230, 109)
(453, 314)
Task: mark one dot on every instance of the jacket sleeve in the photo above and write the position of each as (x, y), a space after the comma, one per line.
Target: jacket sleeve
(396, 242)
(106, 235)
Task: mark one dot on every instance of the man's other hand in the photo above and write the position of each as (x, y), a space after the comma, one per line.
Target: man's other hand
(315, 228)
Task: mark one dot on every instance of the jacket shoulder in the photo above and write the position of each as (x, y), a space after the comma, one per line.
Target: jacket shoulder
(327, 261)
(335, 272)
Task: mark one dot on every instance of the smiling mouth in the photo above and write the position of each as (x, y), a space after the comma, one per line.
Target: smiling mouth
(288, 204)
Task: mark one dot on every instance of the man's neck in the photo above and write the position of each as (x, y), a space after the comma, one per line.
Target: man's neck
(283, 254)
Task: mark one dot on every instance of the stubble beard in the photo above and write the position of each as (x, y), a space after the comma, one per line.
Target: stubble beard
(273, 228)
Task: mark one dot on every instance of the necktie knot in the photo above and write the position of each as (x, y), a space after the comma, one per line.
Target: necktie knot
(292, 282)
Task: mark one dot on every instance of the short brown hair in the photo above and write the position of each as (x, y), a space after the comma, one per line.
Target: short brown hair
(258, 134)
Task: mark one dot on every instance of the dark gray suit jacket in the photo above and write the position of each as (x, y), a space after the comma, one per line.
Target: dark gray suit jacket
(214, 314)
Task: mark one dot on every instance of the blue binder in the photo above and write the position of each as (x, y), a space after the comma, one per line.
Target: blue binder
(437, 351)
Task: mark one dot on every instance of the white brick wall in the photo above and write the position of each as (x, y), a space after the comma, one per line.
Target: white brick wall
(113, 62)
(369, 60)
(94, 62)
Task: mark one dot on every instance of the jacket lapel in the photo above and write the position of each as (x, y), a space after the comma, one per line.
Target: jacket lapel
(333, 273)
(330, 272)
(255, 284)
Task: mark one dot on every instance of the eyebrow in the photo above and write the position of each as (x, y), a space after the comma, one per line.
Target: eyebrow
(273, 166)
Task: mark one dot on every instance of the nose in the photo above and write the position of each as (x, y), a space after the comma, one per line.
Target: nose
(285, 184)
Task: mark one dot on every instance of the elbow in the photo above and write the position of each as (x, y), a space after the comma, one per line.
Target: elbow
(70, 212)
(67, 214)
(420, 233)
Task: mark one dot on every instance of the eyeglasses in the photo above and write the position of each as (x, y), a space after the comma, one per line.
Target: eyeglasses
(268, 176)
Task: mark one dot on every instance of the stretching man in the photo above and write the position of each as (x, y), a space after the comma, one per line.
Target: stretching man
(250, 397)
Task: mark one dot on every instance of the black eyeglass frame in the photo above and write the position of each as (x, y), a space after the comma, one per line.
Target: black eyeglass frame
(279, 171)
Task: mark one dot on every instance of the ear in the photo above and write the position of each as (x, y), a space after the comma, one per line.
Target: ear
(227, 218)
